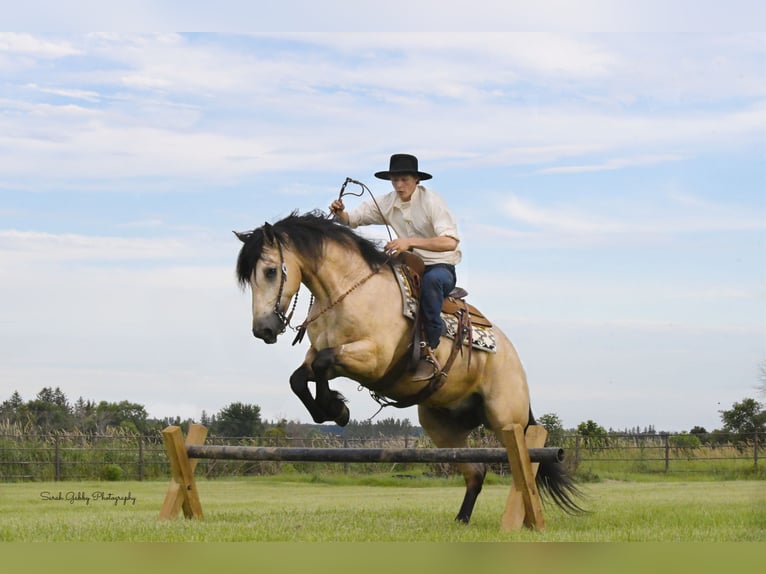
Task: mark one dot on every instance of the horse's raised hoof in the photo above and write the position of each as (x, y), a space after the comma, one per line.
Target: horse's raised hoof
(342, 419)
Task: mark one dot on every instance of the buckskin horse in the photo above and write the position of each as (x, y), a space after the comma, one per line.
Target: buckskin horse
(357, 330)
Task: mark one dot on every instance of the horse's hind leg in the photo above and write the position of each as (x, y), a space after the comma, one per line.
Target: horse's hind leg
(473, 474)
(450, 429)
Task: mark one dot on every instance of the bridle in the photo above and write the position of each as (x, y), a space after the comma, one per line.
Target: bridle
(283, 319)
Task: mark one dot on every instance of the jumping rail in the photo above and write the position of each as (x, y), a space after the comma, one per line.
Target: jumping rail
(295, 454)
(524, 453)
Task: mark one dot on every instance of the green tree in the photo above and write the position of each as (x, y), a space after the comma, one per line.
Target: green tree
(358, 429)
(391, 427)
(125, 415)
(14, 402)
(277, 434)
(594, 435)
(239, 420)
(700, 433)
(50, 410)
(12, 410)
(685, 442)
(717, 438)
(743, 420)
(555, 427)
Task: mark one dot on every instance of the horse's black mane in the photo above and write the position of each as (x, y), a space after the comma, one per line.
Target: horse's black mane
(307, 235)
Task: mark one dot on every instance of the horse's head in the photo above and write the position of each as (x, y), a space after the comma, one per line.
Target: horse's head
(268, 266)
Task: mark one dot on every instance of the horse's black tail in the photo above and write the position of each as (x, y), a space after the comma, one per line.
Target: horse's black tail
(554, 481)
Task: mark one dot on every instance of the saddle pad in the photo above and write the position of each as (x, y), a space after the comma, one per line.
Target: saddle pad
(483, 334)
(409, 301)
(483, 338)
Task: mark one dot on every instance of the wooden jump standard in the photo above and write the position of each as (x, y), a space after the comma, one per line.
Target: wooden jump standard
(524, 453)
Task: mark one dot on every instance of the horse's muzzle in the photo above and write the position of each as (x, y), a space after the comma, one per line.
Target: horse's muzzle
(266, 334)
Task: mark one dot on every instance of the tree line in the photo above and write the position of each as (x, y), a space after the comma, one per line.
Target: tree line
(742, 423)
(51, 411)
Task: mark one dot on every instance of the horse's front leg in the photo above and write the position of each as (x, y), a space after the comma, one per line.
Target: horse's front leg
(354, 360)
(328, 405)
(299, 384)
(331, 402)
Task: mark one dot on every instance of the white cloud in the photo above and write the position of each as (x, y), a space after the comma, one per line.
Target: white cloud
(340, 16)
(74, 143)
(662, 216)
(650, 296)
(214, 111)
(30, 45)
(541, 53)
(87, 95)
(616, 163)
(561, 219)
(41, 246)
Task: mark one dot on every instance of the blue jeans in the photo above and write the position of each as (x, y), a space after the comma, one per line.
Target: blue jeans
(437, 283)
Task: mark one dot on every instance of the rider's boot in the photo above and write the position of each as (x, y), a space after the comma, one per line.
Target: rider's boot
(429, 366)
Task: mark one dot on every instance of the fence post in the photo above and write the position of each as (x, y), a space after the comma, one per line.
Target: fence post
(56, 459)
(140, 458)
(182, 493)
(345, 465)
(577, 450)
(666, 443)
(755, 450)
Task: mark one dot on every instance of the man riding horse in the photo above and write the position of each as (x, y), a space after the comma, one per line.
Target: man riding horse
(357, 327)
(424, 224)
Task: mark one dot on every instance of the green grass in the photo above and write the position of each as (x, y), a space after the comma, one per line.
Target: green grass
(306, 509)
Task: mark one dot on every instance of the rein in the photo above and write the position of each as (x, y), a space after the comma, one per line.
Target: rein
(302, 327)
(285, 319)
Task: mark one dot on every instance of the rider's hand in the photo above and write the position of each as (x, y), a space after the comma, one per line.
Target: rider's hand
(397, 245)
(336, 207)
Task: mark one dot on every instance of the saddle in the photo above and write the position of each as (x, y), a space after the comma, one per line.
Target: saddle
(455, 305)
(459, 318)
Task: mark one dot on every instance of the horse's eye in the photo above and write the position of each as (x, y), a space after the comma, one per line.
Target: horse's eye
(271, 273)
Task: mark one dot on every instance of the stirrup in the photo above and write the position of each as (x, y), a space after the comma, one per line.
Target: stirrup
(428, 367)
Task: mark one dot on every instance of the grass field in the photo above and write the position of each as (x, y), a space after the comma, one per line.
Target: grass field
(300, 510)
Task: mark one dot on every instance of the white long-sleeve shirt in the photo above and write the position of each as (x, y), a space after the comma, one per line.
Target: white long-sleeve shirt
(425, 215)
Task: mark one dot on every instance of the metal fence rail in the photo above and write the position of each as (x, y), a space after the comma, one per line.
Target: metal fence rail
(61, 456)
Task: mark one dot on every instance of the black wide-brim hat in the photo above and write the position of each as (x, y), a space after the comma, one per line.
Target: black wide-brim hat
(401, 164)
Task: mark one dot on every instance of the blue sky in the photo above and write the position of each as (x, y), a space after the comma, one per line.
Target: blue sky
(609, 188)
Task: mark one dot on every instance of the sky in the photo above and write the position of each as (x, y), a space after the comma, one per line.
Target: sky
(609, 184)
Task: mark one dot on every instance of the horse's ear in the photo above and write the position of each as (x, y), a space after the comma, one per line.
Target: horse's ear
(242, 235)
(268, 233)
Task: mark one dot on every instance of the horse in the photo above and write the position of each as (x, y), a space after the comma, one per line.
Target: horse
(357, 330)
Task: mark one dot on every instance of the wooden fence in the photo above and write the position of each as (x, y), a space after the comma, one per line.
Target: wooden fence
(61, 456)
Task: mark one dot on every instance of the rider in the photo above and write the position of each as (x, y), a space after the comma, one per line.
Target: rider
(424, 224)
